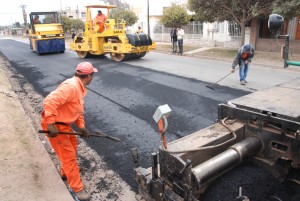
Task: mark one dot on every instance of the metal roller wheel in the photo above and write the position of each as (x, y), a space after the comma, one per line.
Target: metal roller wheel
(82, 54)
(118, 57)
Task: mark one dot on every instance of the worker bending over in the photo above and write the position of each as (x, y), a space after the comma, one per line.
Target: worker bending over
(63, 107)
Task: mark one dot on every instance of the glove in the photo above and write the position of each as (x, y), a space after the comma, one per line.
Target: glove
(53, 131)
(84, 131)
(232, 70)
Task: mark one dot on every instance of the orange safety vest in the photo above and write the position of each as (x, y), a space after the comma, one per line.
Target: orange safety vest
(66, 103)
(100, 19)
(245, 56)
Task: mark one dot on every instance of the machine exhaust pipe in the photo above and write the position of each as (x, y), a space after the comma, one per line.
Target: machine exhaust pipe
(218, 165)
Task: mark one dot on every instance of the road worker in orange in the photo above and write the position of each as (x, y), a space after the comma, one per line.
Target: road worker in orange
(36, 20)
(99, 21)
(62, 108)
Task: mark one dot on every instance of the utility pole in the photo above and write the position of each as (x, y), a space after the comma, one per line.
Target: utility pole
(148, 17)
(24, 16)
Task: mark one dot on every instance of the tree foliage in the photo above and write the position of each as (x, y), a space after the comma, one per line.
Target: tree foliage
(241, 11)
(118, 3)
(66, 23)
(122, 12)
(77, 24)
(288, 9)
(129, 16)
(175, 16)
(69, 24)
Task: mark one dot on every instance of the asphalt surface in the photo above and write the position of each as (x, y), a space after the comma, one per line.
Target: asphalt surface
(122, 99)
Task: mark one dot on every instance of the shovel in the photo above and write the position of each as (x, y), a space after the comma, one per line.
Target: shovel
(97, 134)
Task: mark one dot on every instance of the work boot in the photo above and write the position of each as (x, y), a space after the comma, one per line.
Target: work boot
(82, 195)
(63, 175)
(243, 82)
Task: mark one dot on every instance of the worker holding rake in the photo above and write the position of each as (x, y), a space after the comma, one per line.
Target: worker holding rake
(62, 108)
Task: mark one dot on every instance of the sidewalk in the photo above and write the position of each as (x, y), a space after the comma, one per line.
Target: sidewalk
(26, 170)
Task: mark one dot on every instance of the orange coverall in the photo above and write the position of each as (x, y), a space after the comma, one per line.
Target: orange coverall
(65, 106)
(100, 20)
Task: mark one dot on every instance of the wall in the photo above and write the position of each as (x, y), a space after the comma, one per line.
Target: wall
(273, 45)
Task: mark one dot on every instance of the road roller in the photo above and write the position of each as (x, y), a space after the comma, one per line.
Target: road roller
(110, 39)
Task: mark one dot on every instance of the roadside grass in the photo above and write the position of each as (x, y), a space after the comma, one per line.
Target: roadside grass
(168, 47)
(219, 53)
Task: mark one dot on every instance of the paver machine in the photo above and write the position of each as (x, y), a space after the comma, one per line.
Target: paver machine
(112, 40)
(262, 127)
(46, 34)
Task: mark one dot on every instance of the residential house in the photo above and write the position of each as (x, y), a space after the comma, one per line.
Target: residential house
(219, 34)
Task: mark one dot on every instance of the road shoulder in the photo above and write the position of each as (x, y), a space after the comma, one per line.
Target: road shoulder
(26, 170)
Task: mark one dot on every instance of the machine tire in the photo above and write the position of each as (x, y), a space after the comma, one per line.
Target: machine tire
(142, 54)
(82, 54)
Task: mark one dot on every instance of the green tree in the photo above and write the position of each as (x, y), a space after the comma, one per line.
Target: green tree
(240, 11)
(69, 24)
(288, 9)
(77, 24)
(129, 16)
(175, 16)
(66, 23)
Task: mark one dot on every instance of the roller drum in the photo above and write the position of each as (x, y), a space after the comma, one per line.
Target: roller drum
(226, 160)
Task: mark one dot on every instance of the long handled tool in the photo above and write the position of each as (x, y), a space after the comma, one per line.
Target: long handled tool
(97, 134)
(211, 86)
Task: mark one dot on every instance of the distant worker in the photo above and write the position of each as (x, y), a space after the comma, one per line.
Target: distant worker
(99, 21)
(73, 34)
(140, 30)
(36, 20)
(64, 107)
(243, 59)
(180, 40)
(173, 36)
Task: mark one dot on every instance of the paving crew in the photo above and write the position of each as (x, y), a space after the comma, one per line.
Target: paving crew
(243, 59)
(63, 107)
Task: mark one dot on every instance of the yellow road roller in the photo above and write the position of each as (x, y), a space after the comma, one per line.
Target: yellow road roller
(46, 34)
(110, 39)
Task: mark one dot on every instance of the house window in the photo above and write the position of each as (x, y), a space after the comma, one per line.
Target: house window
(195, 27)
(220, 27)
(83, 14)
(158, 27)
(234, 29)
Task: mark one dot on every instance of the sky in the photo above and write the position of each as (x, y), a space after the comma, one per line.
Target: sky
(12, 12)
